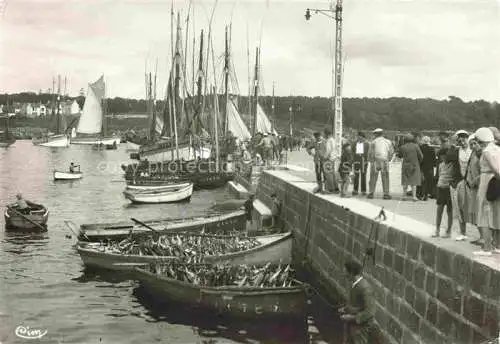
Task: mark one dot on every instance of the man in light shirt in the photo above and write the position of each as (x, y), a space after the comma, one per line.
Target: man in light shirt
(360, 166)
(381, 153)
(329, 163)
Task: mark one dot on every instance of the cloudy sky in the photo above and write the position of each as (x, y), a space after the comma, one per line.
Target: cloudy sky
(413, 48)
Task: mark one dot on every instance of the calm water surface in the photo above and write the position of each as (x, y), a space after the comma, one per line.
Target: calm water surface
(43, 284)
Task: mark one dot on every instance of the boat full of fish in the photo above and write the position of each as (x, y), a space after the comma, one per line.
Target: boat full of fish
(181, 246)
(214, 275)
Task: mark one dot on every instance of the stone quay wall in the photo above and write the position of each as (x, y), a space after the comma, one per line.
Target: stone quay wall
(424, 293)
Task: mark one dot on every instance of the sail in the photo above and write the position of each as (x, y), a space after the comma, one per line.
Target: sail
(159, 125)
(92, 114)
(235, 124)
(263, 124)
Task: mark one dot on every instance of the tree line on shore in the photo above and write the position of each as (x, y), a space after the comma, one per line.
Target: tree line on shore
(396, 113)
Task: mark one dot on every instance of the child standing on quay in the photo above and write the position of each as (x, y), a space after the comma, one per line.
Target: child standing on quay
(443, 197)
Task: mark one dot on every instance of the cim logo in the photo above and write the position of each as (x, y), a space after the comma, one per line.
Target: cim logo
(26, 332)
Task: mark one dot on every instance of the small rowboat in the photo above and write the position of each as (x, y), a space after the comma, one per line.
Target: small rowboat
(220, 223)
(275, 248)
(170, 194)
(59, 175)
(35, 220)
(155, 186)
(246, 301)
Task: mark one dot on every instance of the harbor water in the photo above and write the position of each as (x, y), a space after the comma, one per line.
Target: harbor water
(45, 287)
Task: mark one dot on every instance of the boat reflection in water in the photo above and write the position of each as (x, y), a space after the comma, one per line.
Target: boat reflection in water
(208, 324)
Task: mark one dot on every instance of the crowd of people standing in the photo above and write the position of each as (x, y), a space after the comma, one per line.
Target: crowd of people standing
(461, 174)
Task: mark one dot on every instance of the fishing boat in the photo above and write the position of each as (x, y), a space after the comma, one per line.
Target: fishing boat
(179, 283)
(33, 220)
(60, 175)
(6, 138)
(91, 128)
(172, 193)
(215, 223)
(276, 248)
(132, 147)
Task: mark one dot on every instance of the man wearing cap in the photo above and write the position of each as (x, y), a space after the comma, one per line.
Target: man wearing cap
(459, 155)
(381, 153)
(319, 148)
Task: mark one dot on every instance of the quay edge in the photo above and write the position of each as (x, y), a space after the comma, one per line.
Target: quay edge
(425, 290)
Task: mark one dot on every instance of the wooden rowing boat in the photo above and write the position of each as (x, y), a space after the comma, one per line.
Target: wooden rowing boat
(166, 194)
(276, 248)
(59, 175)
(253, 302)
(34, 220)
(215, 223)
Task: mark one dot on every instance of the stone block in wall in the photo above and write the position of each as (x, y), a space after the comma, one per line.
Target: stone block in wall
(409, 317)
(394, 329)
(410, 294)
(410, 338)
(479, 338)
(444, 261)
(494, 292)
(480, 279)
(445, 319)
(491, 320)
(462, 270)
(380, 315)
(389, 257)
(448, 295)
(413, 247)
(474, 309)
(399, 264)
(428, 332)
(428, 254)
(409, 270)
(419, 276)
(432, 311)
(462, 332)
(421, 302)
(431, 283)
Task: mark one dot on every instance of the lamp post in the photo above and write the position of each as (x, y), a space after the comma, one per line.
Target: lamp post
(292, 110)
(335, 12)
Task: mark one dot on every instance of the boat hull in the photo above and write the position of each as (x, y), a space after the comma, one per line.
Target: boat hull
(14, 222)
(274, 249)
(250, 302)
(220, 223)
(95, 140)
(132, 147)
(158, 187)
(58, 175)
(55, 141)
(186, 153)
(160, 196)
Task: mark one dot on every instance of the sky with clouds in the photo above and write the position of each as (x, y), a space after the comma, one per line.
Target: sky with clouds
(412, 48)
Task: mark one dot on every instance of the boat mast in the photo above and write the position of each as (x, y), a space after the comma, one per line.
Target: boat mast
(151, 114)
(53, 95)
(250, 112)
(226, 83)
(272, 109)
(177, 83)
(199, 85)
(58, 105)
(171, 101)
(184, 79)
(256, 91)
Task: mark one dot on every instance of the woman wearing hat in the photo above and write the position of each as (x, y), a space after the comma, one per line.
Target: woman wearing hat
(488, 213)
(411, 155)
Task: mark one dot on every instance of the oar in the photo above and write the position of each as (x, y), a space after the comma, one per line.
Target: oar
(145, 225)
(27, 218)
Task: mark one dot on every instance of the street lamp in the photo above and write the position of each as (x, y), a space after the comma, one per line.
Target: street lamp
(335, 12)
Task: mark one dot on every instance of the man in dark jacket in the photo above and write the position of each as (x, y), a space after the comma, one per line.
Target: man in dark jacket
(360, 163)
(358, 314)
(427, 165)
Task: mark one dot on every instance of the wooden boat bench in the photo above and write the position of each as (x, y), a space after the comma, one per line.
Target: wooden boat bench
(261, 214)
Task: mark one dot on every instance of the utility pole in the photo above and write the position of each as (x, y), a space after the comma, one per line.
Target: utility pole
(337, 74)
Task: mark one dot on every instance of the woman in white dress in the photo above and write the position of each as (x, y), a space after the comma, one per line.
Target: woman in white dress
(488, 213)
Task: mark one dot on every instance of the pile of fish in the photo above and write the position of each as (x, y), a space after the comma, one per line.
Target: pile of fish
(222, 275)
(183, 246)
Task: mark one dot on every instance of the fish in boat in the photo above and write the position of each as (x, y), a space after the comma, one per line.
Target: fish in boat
(254, 291)
(235, 250)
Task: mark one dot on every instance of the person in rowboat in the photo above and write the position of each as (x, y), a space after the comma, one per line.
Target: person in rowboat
(22, 205)
(358, 314)
(72, 168)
